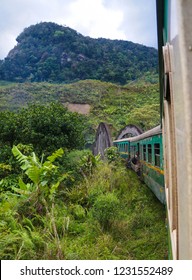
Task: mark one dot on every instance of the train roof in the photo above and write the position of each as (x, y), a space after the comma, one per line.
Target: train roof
(154, 131)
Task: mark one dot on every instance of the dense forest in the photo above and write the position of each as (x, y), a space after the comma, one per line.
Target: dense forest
(54, 53)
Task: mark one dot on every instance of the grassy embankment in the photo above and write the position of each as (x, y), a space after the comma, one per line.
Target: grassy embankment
(108, 215)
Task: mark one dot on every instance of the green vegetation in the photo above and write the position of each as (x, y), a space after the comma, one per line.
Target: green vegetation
(107, 214)
(45, 127)
(54, 53)
(61, 202)
(136, 103)
(71, 205)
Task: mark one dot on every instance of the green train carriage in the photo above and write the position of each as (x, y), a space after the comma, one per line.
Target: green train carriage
(145, 156)
(123, 147)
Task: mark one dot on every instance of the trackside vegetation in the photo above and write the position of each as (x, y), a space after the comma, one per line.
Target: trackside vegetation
(58, 201)
(104, 214)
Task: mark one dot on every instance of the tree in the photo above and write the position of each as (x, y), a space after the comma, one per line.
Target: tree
(145, 117)
(47, 128)
(50, 52)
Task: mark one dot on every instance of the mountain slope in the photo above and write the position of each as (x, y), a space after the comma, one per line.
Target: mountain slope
(117, 105)
(54, 53)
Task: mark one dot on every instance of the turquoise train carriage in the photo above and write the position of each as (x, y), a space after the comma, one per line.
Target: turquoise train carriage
(144, 154)
(123, 146)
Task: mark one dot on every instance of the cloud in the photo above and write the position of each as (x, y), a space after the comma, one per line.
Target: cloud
(139, 21)
(19, 14)
(96, 20)
(132, 20)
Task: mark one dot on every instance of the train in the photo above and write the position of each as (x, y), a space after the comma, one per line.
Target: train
(144, 154)
(162, 156)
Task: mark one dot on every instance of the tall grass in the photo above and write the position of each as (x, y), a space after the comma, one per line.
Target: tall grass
(109, 214)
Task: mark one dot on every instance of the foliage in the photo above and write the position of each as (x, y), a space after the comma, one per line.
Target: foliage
(72, 163)
(42, 175)
(116, 105)
(137, 227)
(112, 154)
(38, 195)
(45, 127)
(88, 163)
(105, 209)
(146, 117)
(54, 53)
(109, 215)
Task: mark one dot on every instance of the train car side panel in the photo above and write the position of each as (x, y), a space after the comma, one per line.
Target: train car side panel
(151, 161)
(123, 147)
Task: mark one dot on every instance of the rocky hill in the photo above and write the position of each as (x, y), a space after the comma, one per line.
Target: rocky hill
(54, 53)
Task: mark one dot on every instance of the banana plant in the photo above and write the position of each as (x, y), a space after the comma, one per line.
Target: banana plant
(44, 182)
(44, 177)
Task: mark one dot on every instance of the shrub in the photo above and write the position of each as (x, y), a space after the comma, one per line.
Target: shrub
(106, 209)
(47, 128)
(112, 154)
(78, 212)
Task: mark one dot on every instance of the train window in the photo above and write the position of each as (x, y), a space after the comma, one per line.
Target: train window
(132, 151)
(126, 147)
(149, 153)
(144, 152)
(137, 149)
(157, 155)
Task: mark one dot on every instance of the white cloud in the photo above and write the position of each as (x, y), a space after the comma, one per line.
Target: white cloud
(96, 20)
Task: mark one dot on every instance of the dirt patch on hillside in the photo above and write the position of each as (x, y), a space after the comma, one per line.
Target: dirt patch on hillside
(79, 108)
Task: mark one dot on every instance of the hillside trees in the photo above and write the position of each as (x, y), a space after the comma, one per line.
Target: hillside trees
(145, 117)
(54, 53)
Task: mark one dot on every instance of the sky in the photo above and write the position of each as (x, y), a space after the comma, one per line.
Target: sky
(130, 20)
